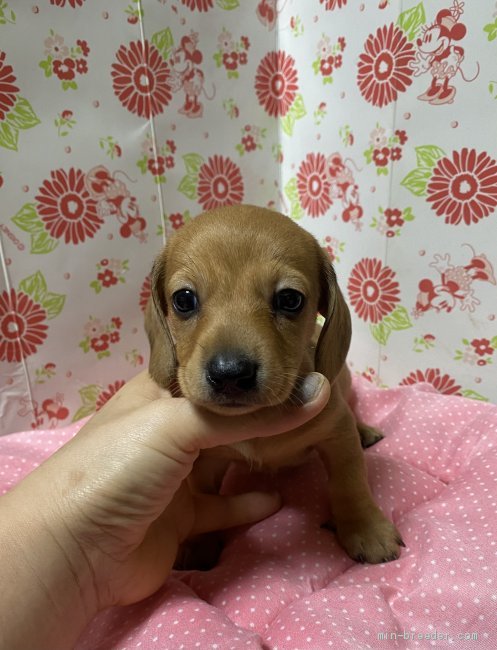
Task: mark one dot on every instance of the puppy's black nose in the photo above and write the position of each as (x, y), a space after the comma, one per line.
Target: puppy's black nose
(231, 372)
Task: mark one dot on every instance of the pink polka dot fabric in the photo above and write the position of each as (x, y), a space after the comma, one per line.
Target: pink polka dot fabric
(285, 584)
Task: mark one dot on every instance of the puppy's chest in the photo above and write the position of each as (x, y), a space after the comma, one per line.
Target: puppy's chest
(283, 450)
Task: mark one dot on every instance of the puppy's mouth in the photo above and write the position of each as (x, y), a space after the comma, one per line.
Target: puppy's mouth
(234, 383)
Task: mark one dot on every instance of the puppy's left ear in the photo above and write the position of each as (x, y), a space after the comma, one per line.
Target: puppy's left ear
(334, 340)
(162, 364)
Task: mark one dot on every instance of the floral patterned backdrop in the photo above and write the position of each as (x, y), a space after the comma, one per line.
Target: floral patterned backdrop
(373, 125)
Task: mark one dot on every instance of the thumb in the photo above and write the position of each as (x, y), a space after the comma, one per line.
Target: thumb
(198, 428)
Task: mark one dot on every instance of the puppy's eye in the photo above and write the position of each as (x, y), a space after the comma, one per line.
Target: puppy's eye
(288, 301)
(185, 302)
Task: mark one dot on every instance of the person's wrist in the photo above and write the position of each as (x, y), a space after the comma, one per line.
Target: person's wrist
(49, 571)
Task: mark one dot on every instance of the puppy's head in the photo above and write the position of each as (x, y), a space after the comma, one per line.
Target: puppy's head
(235, 297)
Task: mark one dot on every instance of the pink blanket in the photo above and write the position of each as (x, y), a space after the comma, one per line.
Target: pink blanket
(285, 583)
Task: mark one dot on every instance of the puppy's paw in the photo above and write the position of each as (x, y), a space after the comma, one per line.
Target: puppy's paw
(373, 538)
(369, 435)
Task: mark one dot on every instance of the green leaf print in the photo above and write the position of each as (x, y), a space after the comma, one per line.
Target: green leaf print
(398, 319)
(381, 332)
(491, 30)
(42, 243)
(53, 304)
(89, 395)
(411, 20)
(228, 5)
(9, 136)
(164, 42)
(417, 180)
(193, 163)
(35, 286)
(296, 112)
(22, 115)
(188, 187)
(428, 155)
(27, 219)
(296, 211)
(472, 394)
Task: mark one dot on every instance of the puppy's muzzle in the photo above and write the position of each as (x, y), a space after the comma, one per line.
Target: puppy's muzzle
(231, 375)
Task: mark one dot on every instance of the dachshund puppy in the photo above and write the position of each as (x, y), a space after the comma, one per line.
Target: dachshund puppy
(231, 325)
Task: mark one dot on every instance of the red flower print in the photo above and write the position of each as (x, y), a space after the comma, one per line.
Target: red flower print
(482, 347)
(219, 183)
(276, 83)
(380, 156)
(394, 217)
(108, 278)
(176, 220)
(156, 166)
(401, 134)
(338, 61)
(101, 343)
(342, 43)
(81, 66)
(115, 337)
(22, 326)
(8, 89)
(146, 290)
(54, 409)
(105, 395)
(249, 143)
(66, 208)
(464, 188)
(396, 153)
(329, 5)
(141, 79)
(313, 185)
(171, 146)
(117, 322)
(199, 5)
(326, 66)
(84, 47)
(443, 383)
(383, 68)
(64, 69)
(230, 61)
(373, 292)
(72, 3)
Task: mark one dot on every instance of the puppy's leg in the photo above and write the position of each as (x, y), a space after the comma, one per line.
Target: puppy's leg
(361, 527)
(202, 552)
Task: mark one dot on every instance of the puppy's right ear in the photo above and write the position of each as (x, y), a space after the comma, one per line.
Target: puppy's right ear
(162, 364)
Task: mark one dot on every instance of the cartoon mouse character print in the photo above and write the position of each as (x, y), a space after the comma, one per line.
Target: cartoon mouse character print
(438, 55)
(187, 75)
(114, 199)
(344, 188)
(455, 284)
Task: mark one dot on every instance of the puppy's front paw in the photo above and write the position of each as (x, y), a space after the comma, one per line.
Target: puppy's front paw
(372, 538)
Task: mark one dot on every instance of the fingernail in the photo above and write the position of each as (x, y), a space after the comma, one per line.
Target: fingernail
(311, 386)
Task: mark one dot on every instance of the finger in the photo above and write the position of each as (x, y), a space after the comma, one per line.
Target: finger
(193, 428)
(214, 512)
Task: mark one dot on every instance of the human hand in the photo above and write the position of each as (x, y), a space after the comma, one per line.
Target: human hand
(114, 501)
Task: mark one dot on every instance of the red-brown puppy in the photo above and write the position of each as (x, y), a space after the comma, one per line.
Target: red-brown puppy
(232, 328)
